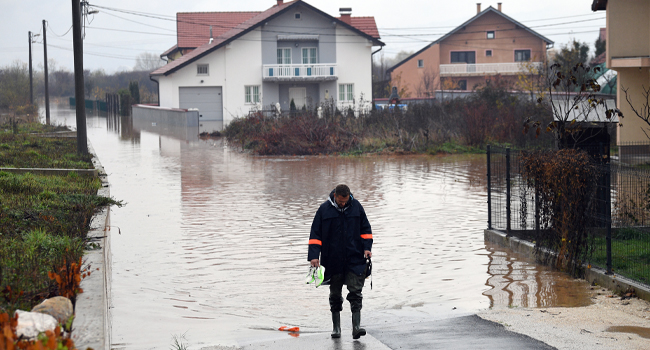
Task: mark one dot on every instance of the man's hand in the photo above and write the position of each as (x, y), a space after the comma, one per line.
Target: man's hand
(315, 263)
(366, 254)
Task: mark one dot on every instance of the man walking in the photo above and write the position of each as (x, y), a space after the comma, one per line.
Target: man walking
(341, 236)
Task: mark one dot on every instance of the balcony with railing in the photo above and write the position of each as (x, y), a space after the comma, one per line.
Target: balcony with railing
(299, 72)
(507, 68)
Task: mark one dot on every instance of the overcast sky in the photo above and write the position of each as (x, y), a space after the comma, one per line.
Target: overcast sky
(403, 24)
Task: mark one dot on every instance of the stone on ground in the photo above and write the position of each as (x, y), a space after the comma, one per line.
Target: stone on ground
(58, 307)
(31, 324)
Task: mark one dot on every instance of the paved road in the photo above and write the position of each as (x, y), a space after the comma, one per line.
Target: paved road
(464, 332)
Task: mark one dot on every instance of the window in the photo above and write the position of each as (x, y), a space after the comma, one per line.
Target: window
(309, 55)
(284, 56)
(463, 57)
(252, 94)
(202, 69)
(420, 63)
(490, 34)
(297, 15)
(522, 55)
(346, 92)
(462, 85)
(488, 53)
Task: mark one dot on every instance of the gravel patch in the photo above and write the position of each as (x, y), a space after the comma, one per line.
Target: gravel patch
(580, 327)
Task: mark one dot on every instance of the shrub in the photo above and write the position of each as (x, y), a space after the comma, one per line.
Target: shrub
(565, 182)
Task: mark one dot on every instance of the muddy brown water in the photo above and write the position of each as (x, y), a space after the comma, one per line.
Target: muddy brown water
(643, 332)
(213, 241)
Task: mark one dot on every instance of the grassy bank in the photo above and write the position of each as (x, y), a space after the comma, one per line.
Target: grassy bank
(492, 115)
(21, 147)
(630, 254)
(44, 219)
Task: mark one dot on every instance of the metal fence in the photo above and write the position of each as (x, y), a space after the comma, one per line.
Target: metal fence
(620, 222)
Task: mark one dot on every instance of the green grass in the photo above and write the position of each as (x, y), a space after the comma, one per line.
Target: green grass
(44, 220)
(29, 151)
(454, 148)
(630, 254)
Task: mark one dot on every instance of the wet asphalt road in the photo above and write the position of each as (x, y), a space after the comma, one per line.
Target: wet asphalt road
(465, 332)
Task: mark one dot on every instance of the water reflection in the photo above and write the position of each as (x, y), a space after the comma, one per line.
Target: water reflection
(213, 240)
(516, 281)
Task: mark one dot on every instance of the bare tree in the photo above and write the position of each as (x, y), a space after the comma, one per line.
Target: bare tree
(644, 112)
(429, 83)
(147, 61)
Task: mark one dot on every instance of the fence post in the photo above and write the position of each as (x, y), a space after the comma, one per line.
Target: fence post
(508, 190)
(536, 210)
(489, 189)
(608, 211)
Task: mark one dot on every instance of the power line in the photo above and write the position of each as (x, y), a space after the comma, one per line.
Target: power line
(60, 36)
(145, 24)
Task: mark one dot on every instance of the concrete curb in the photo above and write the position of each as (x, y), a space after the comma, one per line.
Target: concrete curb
(592, 275)
(52, 171)
(92, 324)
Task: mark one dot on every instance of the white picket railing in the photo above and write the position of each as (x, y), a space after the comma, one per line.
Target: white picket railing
(488, 68)
(289, 71)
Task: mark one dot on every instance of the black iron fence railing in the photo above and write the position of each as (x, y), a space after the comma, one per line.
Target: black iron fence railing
(621, 219)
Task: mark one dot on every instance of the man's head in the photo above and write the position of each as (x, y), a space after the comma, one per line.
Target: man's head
(342, 195)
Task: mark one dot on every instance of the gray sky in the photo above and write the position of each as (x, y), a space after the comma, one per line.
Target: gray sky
(403, 24)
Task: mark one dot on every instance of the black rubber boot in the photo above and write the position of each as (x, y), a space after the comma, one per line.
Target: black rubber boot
(336, 323)
(357, 331)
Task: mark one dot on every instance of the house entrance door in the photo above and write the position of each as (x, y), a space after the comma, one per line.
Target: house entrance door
(299, 96)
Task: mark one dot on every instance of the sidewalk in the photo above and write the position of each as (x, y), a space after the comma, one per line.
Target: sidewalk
(465, 332)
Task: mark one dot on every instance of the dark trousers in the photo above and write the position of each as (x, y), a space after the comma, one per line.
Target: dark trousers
(355, 285)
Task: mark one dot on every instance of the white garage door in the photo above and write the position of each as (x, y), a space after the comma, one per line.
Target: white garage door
(207, 100)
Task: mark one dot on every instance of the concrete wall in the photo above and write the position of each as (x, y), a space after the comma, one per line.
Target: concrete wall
(310, 23)
(410, 77)
(628, 36)
(92, 323)
(628, 28)
(354, 66)
(633, 79)
(167, 116)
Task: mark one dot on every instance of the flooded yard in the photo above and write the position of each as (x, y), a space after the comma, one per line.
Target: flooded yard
(213, 241)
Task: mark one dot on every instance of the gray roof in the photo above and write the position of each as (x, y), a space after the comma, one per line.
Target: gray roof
(582, 112)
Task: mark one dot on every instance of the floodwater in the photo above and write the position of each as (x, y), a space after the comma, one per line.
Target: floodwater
(213, 241)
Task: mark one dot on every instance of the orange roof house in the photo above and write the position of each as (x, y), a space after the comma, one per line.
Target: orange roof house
(487, 45)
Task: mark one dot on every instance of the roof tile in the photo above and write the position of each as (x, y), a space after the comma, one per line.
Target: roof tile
(193, 28)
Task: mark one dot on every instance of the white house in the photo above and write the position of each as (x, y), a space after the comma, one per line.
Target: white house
(290, 51)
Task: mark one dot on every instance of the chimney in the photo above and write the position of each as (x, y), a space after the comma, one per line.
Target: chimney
(280, 2)
(478, 8)
(346, 14)
(499, 6)
(210, 42)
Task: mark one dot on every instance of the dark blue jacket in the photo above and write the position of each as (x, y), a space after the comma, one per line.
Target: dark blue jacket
(339, 236)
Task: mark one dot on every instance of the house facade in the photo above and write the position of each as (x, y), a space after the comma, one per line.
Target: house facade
(292, 51)
(628, 53)
(487, 45)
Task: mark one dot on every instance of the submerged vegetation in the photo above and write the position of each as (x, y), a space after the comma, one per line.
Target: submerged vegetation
(492, 115)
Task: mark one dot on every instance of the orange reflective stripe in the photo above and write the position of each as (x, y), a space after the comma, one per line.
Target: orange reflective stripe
(315, 241)
(366, 236)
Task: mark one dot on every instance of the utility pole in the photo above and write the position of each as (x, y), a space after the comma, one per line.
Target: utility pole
(47, 89)
(82, 138)
(31, 86)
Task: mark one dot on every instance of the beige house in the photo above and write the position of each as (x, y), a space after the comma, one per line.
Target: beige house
(628, 53)
(487, 45)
